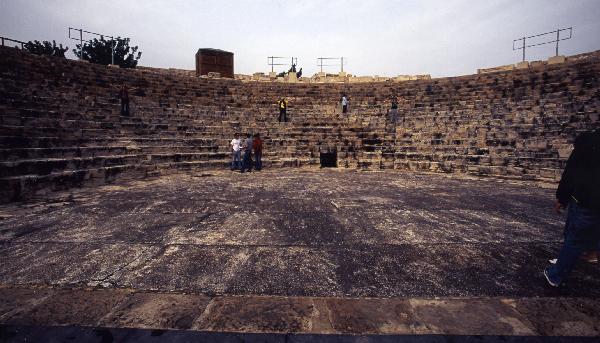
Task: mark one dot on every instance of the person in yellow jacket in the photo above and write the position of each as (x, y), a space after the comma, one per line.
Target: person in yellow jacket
(282, 104)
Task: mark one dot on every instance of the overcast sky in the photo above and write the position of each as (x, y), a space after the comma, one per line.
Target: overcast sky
(441, 38)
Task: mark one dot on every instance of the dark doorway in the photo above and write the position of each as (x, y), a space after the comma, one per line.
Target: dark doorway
(328, 159)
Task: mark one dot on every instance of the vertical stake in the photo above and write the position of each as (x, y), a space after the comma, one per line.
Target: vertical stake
(557, 39)
(81, 44)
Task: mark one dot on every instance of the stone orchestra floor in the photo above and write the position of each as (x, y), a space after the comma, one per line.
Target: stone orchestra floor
(294, 250)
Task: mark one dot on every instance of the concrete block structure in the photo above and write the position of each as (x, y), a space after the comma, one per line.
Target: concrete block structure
(214, 61)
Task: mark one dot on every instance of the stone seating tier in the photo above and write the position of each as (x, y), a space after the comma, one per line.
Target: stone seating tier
(60, 123)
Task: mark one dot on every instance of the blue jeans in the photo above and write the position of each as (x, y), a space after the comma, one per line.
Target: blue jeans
(235, 160)
(258, 160)
(582, 231)
(247, 162)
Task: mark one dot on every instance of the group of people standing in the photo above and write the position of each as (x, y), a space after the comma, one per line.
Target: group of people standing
(246, 146)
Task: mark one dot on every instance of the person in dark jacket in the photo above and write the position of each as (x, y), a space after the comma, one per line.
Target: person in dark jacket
(124, 95)
(247, 160)
(579, 192)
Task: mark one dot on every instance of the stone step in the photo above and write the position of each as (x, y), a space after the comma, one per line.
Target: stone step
(91, 151)
(54, 165)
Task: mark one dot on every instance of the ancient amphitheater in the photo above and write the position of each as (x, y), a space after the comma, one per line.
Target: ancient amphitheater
(433, 227)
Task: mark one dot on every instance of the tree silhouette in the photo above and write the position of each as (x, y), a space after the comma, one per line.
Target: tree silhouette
(45, 48)
(100, 51)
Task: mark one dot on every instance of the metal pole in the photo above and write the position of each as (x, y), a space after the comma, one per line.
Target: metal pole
(81, 44)
(557, 39)
(523, 49)
(342, 64)
(112, 41)
(2, 41)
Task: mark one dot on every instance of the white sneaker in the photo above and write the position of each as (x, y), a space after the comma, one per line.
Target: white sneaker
(553, 261)
(550, 282)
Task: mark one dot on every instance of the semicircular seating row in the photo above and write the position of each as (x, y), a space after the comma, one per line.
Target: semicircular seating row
(60, 123)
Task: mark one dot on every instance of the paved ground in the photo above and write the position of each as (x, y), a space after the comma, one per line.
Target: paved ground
(109, 335)
(293, 234)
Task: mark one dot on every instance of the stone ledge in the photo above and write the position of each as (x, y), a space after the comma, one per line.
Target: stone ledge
(118, 308)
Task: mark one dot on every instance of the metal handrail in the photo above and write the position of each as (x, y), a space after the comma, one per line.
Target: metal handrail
(321, 65)
(80, 39)
(12, 40)
(271, 61)
(558, 39)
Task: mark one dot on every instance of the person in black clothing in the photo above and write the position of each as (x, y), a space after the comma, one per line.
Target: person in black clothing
(299, 73)
(579, 191)
(394, 111)
(247, 160)
(124, 95)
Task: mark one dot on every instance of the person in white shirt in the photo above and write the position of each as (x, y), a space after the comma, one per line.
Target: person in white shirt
(236, 163)
(344, 103)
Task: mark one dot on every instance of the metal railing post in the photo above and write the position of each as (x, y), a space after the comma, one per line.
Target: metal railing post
(320, 63)
(81, 31)
(81, 44)
(271, 61)
(557, 40)
(5, 40)
(524, 46)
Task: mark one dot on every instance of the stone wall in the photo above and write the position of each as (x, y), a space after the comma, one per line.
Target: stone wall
(323, 77)
(60, 124)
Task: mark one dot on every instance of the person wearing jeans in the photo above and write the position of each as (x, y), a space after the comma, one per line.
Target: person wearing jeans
(582, 231)
(579, 190)
(235, 154)
(247, 160)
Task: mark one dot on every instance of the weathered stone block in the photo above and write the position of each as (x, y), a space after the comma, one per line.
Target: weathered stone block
(523, 65)
(557, 59)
